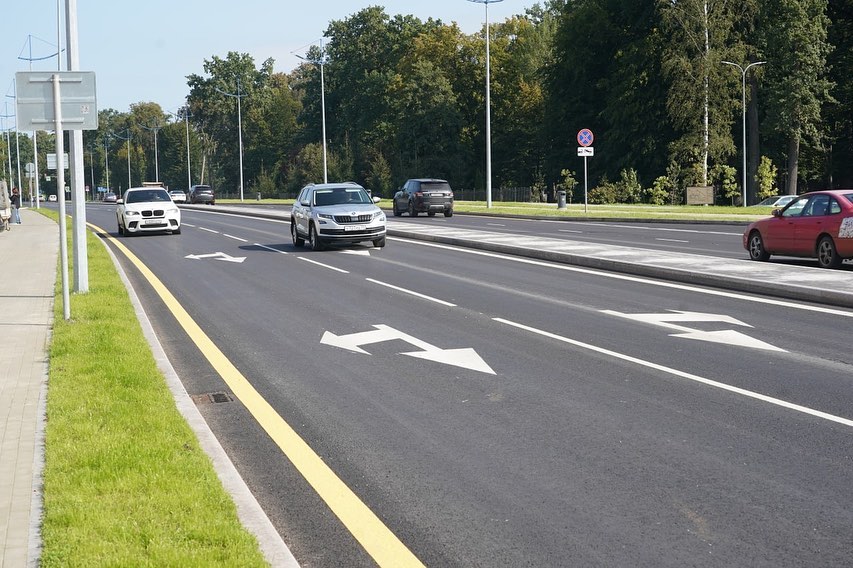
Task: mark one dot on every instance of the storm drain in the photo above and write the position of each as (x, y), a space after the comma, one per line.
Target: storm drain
(212, 398)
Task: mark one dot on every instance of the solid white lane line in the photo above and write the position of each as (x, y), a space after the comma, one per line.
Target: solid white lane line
(615, 276)
(682, 374)
(496, 224)
(209, 230)
(270, 248)
(235, 238)
(568, 231)
(417, 294)
(672, 240)
(323, 265)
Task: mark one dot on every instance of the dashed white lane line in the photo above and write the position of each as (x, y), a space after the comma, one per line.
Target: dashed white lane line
(335, 268)
(235, 238)
(410, 292)
(682, 374)
(270, 248)
(209, 230)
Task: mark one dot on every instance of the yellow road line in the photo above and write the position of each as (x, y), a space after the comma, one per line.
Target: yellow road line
(376, 538)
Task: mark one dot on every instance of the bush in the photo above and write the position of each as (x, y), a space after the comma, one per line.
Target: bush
(604, 193)
(628, 188)
(766, 178)
(660, 191)
(726, 178)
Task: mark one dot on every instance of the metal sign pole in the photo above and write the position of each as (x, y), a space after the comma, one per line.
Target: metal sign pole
(60, 183)
(584, 185)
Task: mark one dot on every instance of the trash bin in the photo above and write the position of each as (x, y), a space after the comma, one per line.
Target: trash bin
(561, 199)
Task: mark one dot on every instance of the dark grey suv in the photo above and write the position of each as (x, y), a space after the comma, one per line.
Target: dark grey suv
(425, 195)
(201, 194)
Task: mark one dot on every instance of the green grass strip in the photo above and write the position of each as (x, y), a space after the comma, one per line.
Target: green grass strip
(125, 481)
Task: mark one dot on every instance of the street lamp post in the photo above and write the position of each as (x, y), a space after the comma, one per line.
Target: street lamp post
(488, 108)
(126, 139)
(322, 106)
(743, 71)
(238, 95)
(156, 156)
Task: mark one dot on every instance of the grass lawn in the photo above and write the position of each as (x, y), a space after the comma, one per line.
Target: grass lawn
(125, 481)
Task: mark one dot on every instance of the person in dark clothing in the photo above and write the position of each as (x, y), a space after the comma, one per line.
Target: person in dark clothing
(16, 203)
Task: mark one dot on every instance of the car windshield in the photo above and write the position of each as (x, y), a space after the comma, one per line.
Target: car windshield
(144, 196)
(340, 196)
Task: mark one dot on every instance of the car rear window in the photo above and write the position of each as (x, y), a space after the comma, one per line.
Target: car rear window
(849, 197)
(432, 186)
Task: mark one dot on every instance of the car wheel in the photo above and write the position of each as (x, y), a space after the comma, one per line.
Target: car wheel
(176, 231)
(756, 247)
(827, 256)
(379, 243)
(314, 239)
(431, 213)
(297, 240)
(412, 212)
(397, 212)
(448, 213)
(120, 229)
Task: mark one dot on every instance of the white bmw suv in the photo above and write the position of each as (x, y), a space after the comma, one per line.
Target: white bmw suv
(147, 210)
(336, 213)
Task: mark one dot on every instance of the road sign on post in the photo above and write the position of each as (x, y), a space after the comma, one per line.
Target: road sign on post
(585, 139)
(58, 101)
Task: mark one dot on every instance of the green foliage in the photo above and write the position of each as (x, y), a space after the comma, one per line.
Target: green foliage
(725, 178)
(379, 176)
(660, 191)
(629, 189)
(605, 192)
(766, 178)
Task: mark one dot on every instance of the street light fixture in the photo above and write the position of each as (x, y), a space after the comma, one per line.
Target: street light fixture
(322, 62)
(156, 156)
(238, 95)
(488, 108)
(743, 71)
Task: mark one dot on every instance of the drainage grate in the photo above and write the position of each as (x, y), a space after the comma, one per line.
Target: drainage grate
(212, 398)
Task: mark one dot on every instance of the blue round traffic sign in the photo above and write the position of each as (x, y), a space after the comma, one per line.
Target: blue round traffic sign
(585, 137)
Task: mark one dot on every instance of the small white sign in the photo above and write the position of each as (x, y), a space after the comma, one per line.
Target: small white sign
(586, 151)
(51, 160)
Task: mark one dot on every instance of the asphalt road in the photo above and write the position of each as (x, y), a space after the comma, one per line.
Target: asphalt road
(584, 418)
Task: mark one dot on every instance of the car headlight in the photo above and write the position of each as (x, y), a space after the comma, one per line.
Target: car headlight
(131, 213)
(379, 215)
(324, 216)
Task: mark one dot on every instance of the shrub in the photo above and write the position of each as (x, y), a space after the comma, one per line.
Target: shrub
(766, 178)
(660, 191)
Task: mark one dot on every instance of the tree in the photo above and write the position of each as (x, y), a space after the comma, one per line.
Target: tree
(794, 40)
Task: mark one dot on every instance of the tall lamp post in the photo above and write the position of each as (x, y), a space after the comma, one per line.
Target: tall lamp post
(322, 62)
(185, 111)
(488, 108)
(743, 71)
(126, 139)
(238, 95)
(156, 156)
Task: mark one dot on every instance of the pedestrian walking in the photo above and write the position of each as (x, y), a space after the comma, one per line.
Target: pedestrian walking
(16, 203)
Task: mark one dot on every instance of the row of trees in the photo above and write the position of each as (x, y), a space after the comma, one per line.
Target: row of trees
(405, 98)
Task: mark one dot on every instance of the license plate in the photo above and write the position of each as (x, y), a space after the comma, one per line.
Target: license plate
(152, 222)
(355, 228)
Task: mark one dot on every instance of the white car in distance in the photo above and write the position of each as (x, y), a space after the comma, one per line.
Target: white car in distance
(147, 210)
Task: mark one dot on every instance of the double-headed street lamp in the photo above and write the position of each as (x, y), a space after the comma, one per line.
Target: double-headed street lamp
(488, 108)
(743, 71)
(238, 95)
(322, 62)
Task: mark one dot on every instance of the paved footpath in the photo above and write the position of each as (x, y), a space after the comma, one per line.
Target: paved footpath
(28, 256)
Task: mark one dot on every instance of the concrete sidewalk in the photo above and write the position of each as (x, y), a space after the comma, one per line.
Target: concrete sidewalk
(28, 257)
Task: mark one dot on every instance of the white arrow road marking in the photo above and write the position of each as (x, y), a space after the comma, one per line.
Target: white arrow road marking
(466, 358)
(217, 256)
(728, 336)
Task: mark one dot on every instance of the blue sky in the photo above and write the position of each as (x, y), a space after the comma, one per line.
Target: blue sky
(143, 50)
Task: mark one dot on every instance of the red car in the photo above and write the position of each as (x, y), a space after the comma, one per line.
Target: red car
(815, 225)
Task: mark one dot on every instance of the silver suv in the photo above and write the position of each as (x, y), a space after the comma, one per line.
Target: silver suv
(336, 213)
